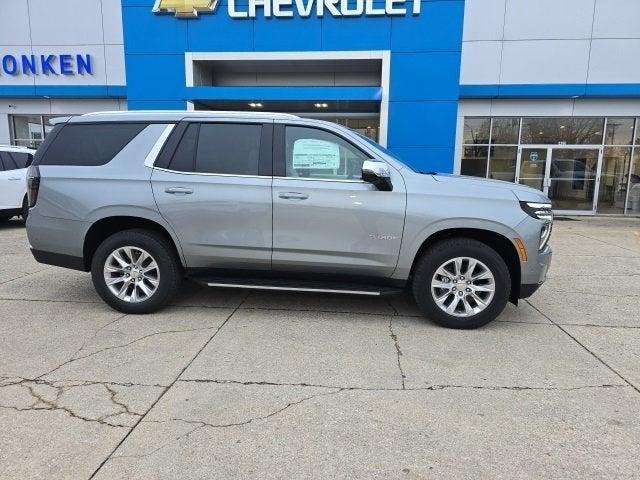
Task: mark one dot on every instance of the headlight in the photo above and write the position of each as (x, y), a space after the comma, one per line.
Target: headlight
(545, 234)
(540, 211)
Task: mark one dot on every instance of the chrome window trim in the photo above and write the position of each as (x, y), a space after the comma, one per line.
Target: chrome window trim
(306, 179)
(205, 174)
(151, 157)
(256, 176)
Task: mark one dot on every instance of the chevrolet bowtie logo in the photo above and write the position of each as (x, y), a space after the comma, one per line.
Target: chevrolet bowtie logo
(185, 8)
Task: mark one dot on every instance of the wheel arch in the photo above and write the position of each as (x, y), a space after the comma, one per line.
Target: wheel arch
(107, 226)
(500, 243)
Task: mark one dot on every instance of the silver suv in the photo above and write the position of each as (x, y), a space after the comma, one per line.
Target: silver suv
(276, 202)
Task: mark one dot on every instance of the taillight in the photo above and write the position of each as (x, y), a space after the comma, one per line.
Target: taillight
(33, 184)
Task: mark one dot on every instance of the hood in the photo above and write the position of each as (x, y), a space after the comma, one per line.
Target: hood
(522, 192)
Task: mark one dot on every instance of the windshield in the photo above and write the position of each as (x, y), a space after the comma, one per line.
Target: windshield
(377, 146)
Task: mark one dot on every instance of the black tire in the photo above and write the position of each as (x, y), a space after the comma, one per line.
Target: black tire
(5, 219)
(158, 247)
(25, 209)
(446, 250)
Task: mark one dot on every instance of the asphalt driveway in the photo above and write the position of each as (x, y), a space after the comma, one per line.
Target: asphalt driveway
(231, 384)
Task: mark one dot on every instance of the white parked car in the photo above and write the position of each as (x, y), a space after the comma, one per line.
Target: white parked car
(14, 162)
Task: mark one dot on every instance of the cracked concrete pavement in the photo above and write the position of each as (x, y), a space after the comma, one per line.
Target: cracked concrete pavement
(232, 384)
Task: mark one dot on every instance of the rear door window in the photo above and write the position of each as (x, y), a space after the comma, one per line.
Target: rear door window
(90, 144)
(21, 160)
(183, 159)
(15, 160)
(228, 148)
(7, 161)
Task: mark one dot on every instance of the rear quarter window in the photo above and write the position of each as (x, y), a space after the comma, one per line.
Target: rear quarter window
(89, 145)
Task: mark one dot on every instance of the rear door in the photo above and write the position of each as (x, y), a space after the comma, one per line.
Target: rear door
(12, 179)
(214, 189)
(326, 219)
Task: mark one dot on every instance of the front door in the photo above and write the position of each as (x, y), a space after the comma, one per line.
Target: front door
(568, 175)
(325, 218)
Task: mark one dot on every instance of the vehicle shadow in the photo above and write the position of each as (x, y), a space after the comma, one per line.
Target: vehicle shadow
(13, 224)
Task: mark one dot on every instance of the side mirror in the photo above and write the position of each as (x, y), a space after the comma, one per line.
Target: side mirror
(378, 174)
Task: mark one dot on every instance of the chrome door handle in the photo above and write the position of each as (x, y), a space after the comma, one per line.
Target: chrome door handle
(14, 178)
(179, 190)
(293, 196)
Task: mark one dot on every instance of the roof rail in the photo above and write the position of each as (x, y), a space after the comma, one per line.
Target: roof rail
(193, 113)
(57, 120)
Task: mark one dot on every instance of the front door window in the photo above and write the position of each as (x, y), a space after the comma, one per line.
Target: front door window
(317, 154)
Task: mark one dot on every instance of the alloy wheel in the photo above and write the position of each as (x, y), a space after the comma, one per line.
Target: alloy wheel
(463, 287)
(131, 274)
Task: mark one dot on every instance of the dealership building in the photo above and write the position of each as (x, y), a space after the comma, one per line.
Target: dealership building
(544, 93)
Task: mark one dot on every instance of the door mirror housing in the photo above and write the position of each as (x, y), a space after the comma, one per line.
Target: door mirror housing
(378, 174)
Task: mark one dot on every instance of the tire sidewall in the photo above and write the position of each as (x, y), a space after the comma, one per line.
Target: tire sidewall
(441, 253)
(25, 209)
(162, 254)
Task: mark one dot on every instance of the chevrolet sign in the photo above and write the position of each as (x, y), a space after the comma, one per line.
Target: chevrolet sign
(185, 8)
(286, 8)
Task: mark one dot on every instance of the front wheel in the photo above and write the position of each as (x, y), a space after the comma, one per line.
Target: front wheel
(135, 271)
(461, 283)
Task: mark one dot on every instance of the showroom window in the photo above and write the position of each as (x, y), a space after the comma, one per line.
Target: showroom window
(562, 131)
(633, 200)
(491, 148)
(617, 154)
(562, 156)
(30, 130)
(367, 126)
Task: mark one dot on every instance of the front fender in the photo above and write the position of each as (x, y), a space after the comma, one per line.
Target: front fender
(411, 246)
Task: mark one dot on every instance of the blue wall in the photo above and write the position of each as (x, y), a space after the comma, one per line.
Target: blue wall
(425, 63)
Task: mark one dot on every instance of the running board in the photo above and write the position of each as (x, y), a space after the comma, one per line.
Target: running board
(298, 286)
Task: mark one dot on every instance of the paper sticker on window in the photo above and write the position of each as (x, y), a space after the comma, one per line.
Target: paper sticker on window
(309, 153)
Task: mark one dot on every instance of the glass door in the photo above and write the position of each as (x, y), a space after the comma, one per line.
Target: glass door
(568, 175)
(572, 175)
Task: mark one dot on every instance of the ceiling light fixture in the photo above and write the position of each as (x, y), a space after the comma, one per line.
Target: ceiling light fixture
(256, 105)
(320, 105)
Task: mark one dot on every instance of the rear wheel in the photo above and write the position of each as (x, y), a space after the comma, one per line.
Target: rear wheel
(25, 209)
(135, 271)
(461, 283)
